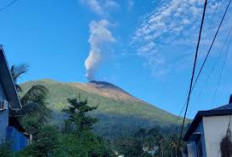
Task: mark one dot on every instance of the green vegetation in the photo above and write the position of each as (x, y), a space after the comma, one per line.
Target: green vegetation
(65, 121)
(116, 116)
(77, 116)
(5, 150)
(149, 143)
(76, 142)
(75, 139)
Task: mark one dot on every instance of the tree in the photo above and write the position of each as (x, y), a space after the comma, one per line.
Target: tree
(78, 139)
(16, 72)
(77, 115)
(34, 112)
(5, 150)
(36, 93)
(156, 139)
(175, 145)
(47, 145)
(129, 147)
(141, 134)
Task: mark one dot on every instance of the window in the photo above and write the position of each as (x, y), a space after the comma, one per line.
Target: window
(3, 105)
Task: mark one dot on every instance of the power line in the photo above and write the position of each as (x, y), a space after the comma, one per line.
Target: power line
(222, 69)
(194, 68)
(221, 52)
(8, 5)
(192, 85)
(202, 66)
(211, 46)
(211, 21)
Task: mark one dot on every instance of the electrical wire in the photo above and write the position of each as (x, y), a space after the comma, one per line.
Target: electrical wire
(207, 54)
(215, 62)
(8, 5)
(194, 68)
(211, 46)
(222, 69)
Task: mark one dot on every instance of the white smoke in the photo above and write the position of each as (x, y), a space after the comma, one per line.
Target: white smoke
(99, 37)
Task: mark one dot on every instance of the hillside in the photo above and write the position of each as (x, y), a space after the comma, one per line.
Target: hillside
(118, 111)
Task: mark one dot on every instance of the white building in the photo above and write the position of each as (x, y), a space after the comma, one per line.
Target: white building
(207, 130)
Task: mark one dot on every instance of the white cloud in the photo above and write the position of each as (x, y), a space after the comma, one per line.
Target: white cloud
(173, 24)
(94, 6)
(111, 4)
(101, 7)
(100, 35)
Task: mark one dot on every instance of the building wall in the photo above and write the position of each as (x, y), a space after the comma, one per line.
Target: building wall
(201, 129)
(18, 141)
(215, 129)
(191, 145)
(4, 121)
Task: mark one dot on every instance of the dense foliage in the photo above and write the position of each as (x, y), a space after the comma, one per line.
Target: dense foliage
(75, 137)
(116, 116)
(147, 143)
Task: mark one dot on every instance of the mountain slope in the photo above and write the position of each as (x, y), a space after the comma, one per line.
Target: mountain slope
(118, 111)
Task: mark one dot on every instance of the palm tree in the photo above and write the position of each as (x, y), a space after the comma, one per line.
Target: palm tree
(175, 145)
(36, 94)
(16, 72)
(34, 111)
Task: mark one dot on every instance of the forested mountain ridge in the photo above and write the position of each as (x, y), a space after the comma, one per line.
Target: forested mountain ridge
(119, 112)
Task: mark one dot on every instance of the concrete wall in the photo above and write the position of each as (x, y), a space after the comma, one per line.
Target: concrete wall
(4, 121)
(215, 129)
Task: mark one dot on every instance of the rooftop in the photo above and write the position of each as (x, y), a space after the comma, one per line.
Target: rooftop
(8, 83)
(219, 111)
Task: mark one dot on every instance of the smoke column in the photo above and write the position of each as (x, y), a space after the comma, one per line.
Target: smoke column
(99, 36)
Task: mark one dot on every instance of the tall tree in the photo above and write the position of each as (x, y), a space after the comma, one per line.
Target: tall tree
(156, 139)
(34, 112)
(77, 115)
(79, 137)
(175, 146)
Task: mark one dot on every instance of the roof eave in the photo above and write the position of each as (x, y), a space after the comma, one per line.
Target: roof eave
(200, 115)
(16, 105)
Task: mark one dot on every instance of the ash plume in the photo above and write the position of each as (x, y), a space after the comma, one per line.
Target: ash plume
(100, 35)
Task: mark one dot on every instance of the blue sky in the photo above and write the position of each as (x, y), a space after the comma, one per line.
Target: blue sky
(144, 46)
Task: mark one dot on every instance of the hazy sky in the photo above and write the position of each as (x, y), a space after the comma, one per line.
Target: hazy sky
(144, 46)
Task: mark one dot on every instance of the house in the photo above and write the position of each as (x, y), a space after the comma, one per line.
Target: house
(207, 131)
(9, 100)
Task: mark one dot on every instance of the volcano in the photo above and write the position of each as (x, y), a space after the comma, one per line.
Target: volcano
(119, 112)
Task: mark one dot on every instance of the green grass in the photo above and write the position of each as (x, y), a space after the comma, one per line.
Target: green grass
(117, 117)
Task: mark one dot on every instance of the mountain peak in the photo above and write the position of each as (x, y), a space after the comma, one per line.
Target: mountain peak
(106, 85)
(118, 112)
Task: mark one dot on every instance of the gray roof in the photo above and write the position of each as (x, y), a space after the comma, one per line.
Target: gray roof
(219, 111)
(8, 83)
(225, 107)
